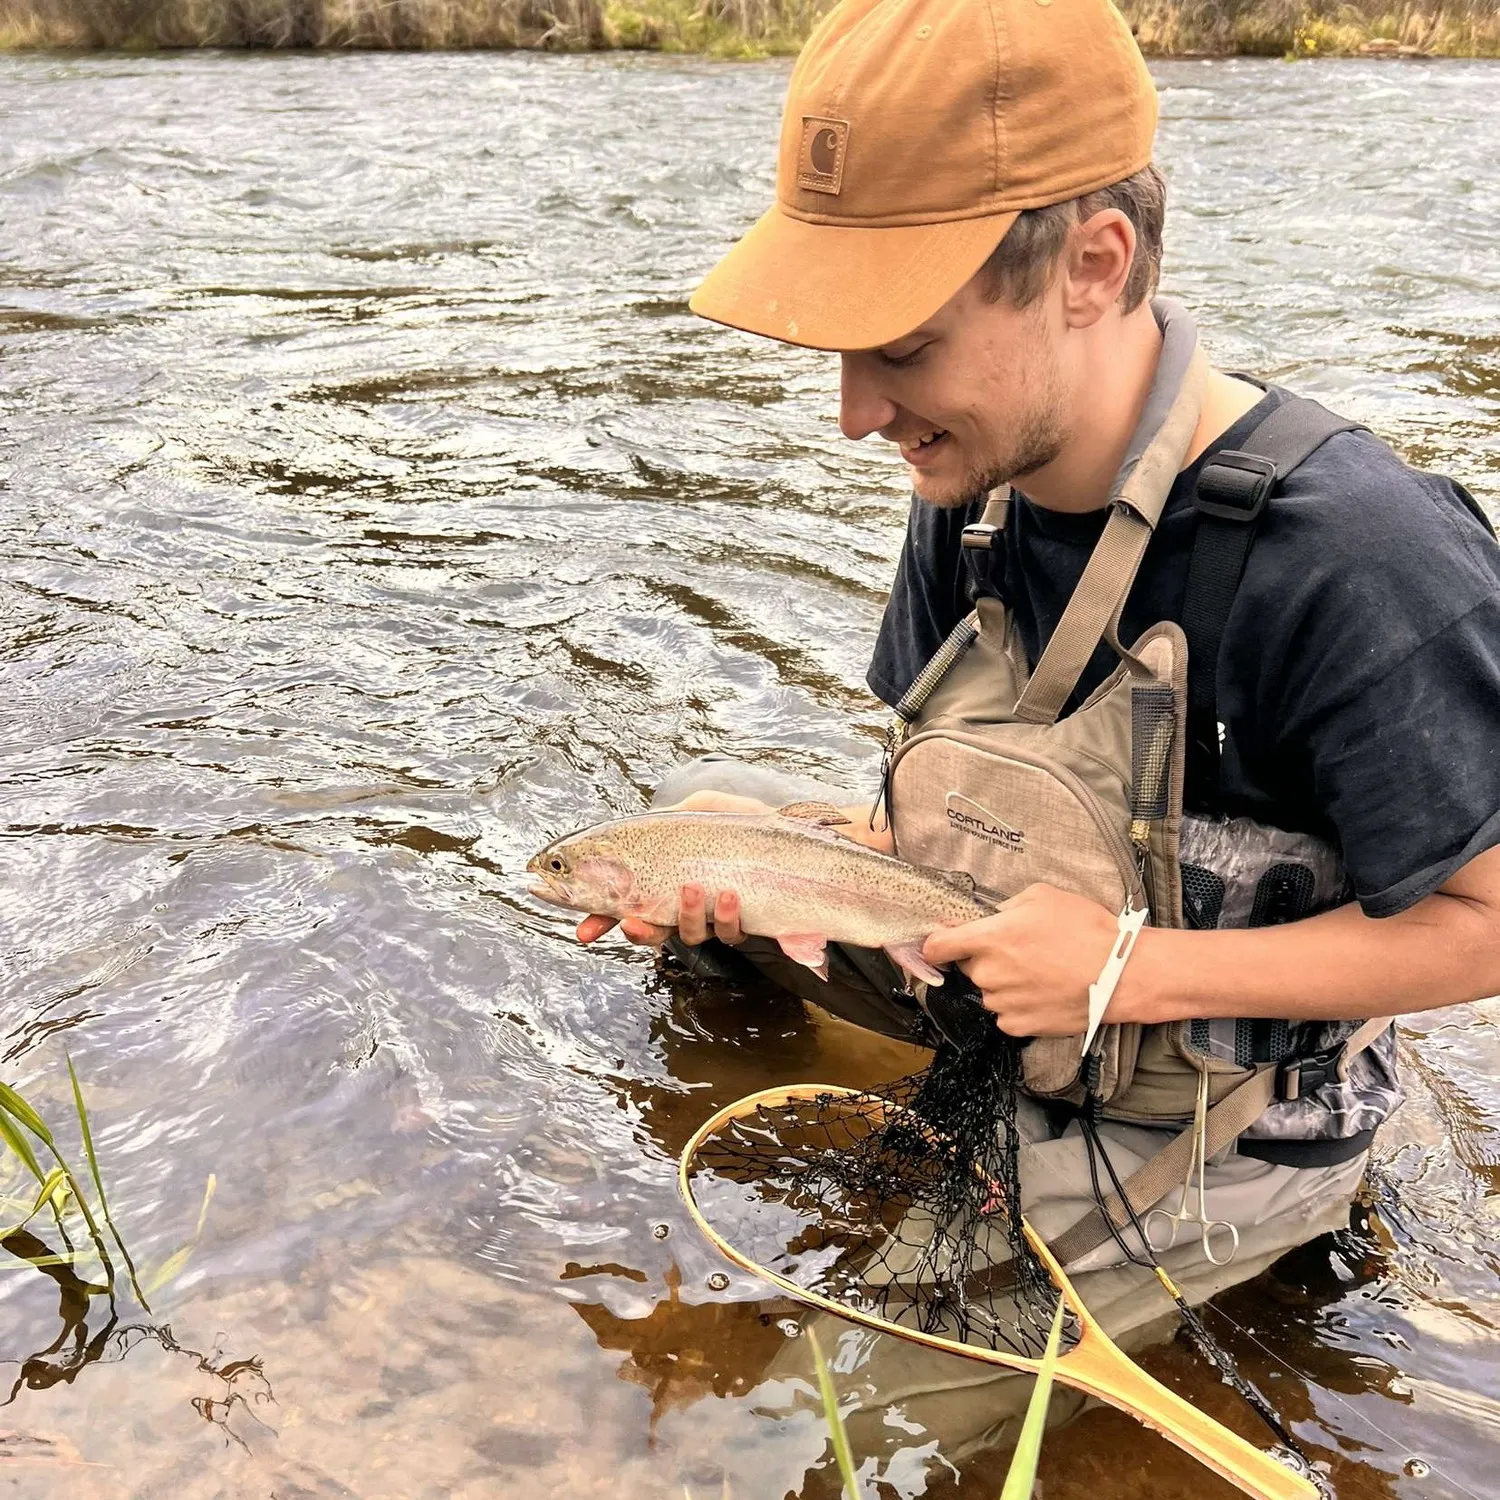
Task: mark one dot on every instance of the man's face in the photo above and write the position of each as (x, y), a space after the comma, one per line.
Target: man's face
(974, 398)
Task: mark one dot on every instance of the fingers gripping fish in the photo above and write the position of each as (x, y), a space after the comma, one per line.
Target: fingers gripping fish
(798, 881)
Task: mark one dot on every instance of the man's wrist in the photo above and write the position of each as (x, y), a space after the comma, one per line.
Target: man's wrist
(1150, 991)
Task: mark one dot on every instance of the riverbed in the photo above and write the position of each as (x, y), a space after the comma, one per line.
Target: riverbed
(372, 509)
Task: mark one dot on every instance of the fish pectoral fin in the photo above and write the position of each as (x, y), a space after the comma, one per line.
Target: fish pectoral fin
(823, 814)
(908, 958)
(809, 948)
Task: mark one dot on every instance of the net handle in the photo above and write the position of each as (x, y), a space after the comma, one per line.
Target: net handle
(1094, 1365)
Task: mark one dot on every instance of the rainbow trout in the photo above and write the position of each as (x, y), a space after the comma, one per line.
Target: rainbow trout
(798, 881)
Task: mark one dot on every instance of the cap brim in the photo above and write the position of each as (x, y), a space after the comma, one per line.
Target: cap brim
(830, 286)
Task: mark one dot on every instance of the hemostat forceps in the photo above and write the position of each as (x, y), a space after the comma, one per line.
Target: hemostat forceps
(1228, 1233)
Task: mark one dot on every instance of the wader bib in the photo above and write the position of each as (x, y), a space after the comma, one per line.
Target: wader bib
(984, 776)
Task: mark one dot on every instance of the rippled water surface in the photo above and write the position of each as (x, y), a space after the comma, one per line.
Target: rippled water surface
(370, 509)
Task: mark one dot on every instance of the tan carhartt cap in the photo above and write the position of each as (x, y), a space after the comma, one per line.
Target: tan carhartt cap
(915, 131)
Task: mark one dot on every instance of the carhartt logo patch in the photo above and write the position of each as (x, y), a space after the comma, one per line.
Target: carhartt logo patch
(820, 161)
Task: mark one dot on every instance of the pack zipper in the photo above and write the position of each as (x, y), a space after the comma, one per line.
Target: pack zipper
(1125, 855)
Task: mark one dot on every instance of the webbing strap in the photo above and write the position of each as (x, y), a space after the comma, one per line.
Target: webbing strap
(1235, 1113)
(996, 508)
(1232, 490)
(1093, 612)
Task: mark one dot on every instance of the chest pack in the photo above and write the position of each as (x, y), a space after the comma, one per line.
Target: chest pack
(987, 775)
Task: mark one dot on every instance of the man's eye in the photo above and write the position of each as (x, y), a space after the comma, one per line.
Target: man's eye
(901, 361)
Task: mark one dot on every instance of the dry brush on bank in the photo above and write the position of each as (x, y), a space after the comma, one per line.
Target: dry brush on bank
(731, 27)
(1281, 28)
(743, 28)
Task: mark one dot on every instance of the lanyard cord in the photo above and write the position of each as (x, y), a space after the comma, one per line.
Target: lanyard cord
(1204, 1341)
(914, 699)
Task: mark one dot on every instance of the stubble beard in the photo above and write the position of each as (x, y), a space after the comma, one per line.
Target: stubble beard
(1036, 442)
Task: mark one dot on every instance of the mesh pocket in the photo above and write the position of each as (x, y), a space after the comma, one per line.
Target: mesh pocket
(1153, 720)
(1202, 897)
(1283, 894)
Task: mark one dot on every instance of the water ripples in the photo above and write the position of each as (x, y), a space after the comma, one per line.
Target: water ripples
(373, 511)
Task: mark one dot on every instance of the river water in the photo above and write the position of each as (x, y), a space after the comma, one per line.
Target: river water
(372, 509)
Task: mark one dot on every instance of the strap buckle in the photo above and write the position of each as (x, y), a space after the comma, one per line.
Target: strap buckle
(982, 537)
(1299, 1076)
(1235, 486)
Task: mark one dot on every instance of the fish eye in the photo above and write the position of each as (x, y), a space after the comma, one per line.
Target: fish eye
(557, 864)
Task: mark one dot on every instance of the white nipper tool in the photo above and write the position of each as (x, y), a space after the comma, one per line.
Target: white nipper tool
(1102, 990)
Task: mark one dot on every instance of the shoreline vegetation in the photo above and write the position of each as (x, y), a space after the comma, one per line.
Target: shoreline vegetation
(719, 28)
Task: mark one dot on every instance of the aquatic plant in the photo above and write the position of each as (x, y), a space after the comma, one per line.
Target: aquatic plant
(1020, 1478)
(60, 1190)
(62, 1193)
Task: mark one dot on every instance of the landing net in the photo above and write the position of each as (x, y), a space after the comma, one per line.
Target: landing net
(899, 1205)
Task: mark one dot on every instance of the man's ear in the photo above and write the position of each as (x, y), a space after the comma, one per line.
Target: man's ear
(1096, 265)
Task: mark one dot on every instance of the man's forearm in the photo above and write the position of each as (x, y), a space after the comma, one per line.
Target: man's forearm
(1340, 965)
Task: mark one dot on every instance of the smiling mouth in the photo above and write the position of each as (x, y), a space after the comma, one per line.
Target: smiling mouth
(914, 452)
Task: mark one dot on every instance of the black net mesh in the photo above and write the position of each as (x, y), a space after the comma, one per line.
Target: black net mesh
(900, 1202)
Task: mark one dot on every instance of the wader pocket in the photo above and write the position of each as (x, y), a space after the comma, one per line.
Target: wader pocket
(1013, 818)
(1010, 818)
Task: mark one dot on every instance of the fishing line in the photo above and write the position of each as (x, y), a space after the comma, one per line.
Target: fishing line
(1396, 1444)
(1211, 1349)
(1203, 1340)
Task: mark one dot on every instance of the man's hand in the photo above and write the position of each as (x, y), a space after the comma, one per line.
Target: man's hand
(1034, 960)
(692, 923)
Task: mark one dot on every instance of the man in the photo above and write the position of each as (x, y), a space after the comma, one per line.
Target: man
(967, 213)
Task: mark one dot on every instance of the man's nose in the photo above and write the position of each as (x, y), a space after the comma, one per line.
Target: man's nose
(862, 408)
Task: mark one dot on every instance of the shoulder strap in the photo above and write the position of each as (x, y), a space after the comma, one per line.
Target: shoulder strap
(1093, 612)
(1232, 491)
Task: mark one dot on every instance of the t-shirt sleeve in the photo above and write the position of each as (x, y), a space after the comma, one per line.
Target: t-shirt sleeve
(1390, 693)
(1409, 768)
(929, 596)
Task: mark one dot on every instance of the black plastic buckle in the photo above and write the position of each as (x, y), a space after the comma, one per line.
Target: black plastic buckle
(982, 537)
(1235, 498)
(1299, 1076)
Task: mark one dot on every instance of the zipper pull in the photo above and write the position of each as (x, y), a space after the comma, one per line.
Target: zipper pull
(895, 735)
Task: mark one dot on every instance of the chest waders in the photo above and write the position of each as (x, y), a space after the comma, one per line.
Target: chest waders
(985, 775)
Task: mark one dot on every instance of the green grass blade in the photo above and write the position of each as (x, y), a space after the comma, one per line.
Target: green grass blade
(21, 1146)
(173, 1266)
(88, 1150)
(14, 1104)
(56, 1179)
(841, 1450)
(39, 1262)
(1020, 1481)
(88, 1138)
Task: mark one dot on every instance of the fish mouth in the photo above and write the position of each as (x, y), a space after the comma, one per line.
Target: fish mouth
(548, 894)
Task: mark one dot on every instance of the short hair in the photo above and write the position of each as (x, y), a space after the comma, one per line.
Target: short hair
(1021, 265)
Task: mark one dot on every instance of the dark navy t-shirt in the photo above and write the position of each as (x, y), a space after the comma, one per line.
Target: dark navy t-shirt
(1359, 675)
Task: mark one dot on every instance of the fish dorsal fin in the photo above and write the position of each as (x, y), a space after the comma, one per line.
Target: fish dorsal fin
(962, 882)
(821, 814)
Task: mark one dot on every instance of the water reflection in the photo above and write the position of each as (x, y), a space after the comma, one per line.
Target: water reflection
(374, 510)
